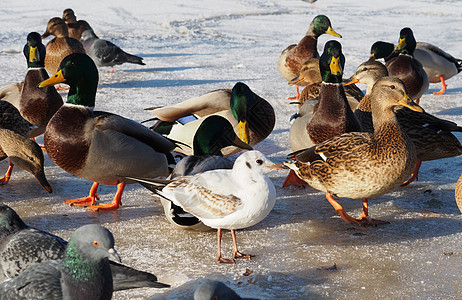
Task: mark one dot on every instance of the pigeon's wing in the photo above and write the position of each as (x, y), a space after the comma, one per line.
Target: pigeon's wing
(40, 281)
(124, 278)
(28, 247)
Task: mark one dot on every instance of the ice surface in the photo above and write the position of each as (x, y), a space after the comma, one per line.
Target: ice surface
(192, 47)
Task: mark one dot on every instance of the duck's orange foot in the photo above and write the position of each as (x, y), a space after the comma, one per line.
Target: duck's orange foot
(443, 87)
(368, 221)
(239, 255)
(98, 207)
(4, 180)
(293, 179)
(86, 201)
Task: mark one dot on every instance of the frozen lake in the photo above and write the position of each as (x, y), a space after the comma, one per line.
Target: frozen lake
(192, 47)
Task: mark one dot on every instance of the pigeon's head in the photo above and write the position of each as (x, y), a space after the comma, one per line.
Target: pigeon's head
(95, 242)
(9, 220)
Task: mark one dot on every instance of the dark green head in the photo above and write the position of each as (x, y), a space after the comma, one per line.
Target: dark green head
(332, 62)
(79, 71)
(407, 41)
(320, 25)
(242, 99)
(214, 134)
(381, 50)
(34, 51)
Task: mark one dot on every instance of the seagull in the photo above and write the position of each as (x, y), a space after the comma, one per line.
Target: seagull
(224, 199)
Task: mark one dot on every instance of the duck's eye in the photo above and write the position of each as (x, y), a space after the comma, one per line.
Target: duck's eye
(96, 243)
(392, 87)
(259, 161)
(365, 69)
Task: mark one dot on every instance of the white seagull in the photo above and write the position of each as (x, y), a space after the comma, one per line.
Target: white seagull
(224, 199)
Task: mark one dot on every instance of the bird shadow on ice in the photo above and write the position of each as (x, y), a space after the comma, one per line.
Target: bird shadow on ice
(454, 111)
(160, 83)
(168, 69)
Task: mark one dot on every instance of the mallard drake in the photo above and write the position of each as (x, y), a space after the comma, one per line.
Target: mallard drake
(431, 135)
(105, 53)
(406, 67)
(74, 27)
(15, 144)
(331, 115)
(361, 164)
(292, 58)
(213, 134)
(458, 193)
(96, 145)
(251, 116)
(36, 105)
(61, 46)
(437, 63)
(224, 199)
(311, 75)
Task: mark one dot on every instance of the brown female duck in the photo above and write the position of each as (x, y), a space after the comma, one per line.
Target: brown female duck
(361, 164)
(74, 27)
(431, 135)
(61, 46)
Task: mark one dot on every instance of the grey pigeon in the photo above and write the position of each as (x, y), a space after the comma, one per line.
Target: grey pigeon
(83, 273)
(213, 289)
(105, 53)
(22, 246)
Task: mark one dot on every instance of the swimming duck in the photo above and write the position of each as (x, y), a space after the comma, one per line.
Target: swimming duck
(292, 58)
(16, 145)
(406, 67)
(61, 46)
(251, 116)
(105, 53)
(97, 145)
(437, 63)
(74, 27)
(331, 115)
(36, 105)
(431, 135)
(213, 134)
(311, 75)
(361, 164)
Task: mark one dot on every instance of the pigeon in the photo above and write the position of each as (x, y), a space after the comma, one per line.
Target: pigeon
(224, 199)
(214, 289)
(105, 53)
(22, 246)
(83, 273)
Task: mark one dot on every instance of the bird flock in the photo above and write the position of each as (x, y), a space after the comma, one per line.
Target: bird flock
(344, 143)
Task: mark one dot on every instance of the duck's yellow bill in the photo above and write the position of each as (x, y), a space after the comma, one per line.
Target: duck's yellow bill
(335, 67)
(296, 80)
(401, 44)
(350, 80)
(243, 131)
(55, 79)
(332, 32)
(406, 101)
(33, 57)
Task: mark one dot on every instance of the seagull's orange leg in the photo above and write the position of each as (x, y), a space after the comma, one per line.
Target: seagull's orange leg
(86, 201)
(236, 253)
(7, 175)
(220, 259)
(297, 96)
(293, 179)
(415, 173)
(443, 86)
(115, 203)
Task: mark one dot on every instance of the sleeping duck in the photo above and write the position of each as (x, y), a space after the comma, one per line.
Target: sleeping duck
(74, 27)
(61, 46)
(431, 135)
(16, 145)
(251, 116)
(361, 164)
(97, 145)
(331, 115)
(292, 58)
(437, 63)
